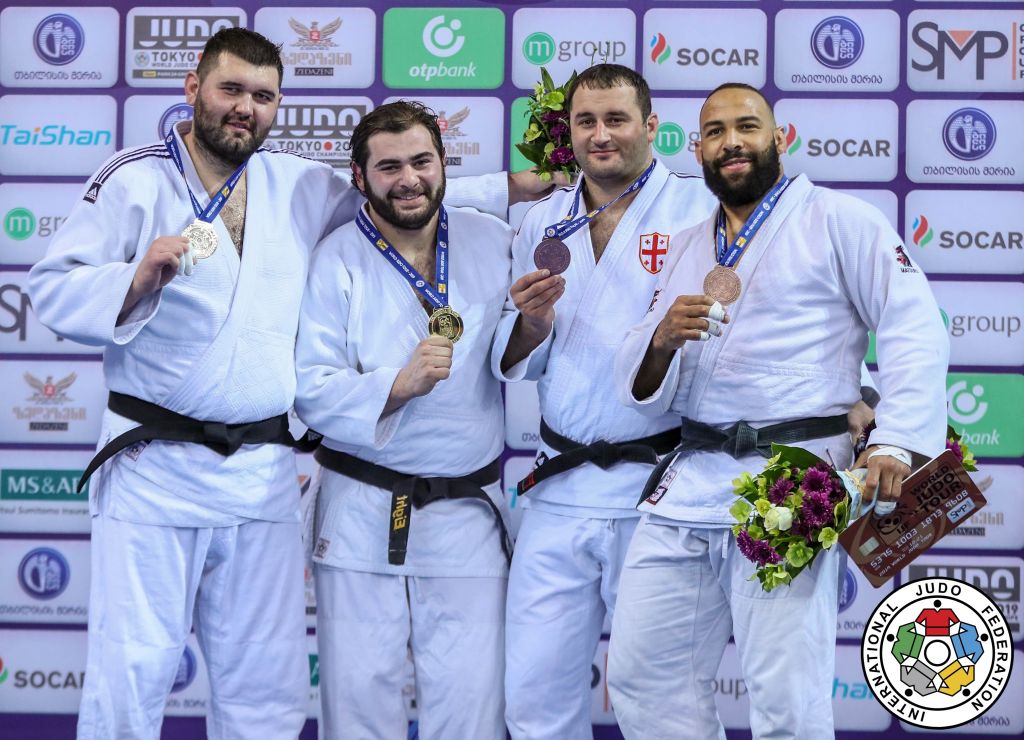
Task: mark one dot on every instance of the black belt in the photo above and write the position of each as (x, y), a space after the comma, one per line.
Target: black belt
(572, 454)
(742, 439)
(159, 423)
(406, 489)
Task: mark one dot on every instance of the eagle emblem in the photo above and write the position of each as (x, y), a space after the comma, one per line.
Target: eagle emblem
(450, 125)
(49, 391)
(314, 37)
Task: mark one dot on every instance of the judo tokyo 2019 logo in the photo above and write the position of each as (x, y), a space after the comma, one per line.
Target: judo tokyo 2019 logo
(937, 653)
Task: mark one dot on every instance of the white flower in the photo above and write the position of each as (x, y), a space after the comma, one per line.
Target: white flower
(778, 519)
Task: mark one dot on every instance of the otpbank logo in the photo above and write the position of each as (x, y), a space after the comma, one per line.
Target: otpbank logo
(986, 410)
(444, 47)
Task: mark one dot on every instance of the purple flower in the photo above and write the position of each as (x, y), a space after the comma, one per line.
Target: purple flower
(953, 446)
(552, 116)
(817, 509)
(561, 155)
(817, 480)
(764, 553)
(559, 130)
(746, 544)
(778, 492)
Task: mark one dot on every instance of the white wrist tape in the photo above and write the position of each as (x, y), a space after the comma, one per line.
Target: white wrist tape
(898, 452)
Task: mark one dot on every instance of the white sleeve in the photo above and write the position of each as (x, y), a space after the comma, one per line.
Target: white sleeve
(534, 364)
(332, 395)
(893, 298)
(631, 355)
(485, 193)
(78, 288)
(342, 200)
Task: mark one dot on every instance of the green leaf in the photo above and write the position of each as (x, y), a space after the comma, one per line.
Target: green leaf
(827, 537)
(796, 456)
(740, 510)
(799, 554)
(546, 80)
(763, 506)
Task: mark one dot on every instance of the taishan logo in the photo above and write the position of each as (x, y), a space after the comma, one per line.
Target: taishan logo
(937, 653)
(660, 50)
(793, 140)
(922, 231)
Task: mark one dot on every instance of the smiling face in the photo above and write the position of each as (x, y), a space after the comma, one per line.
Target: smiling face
(235, 106)
(610, 136)
(739, 146)
(404, 177)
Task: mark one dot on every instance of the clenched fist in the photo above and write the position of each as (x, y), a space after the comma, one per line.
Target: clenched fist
(431, 362)
(166, 257)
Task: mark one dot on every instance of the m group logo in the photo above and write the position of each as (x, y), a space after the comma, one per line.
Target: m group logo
(444, 47)
(983, 333)
(969, 133)
(963, 50)
(837, 42)
(44, 573)
(937, 653)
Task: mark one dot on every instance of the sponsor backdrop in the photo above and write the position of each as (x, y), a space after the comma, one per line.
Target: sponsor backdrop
(913, 106)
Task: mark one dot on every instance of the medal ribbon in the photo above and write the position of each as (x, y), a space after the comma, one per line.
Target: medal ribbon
(223, 192)
(572, 223)
(437, 298)
(746, 235)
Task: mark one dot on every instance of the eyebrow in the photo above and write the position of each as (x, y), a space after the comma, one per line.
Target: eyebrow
(260, 91)
(396, 160)
(607, 113)
(741, 119)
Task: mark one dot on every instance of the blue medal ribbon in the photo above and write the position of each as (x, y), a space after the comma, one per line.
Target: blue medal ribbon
(728, 258)
(223, 192)
(573, 223)
(437, 298)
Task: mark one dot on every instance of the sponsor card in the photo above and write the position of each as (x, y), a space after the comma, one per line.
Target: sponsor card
(935, 499)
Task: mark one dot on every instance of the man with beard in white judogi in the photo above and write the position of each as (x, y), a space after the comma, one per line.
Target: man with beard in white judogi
(563, 329)
(411, 550)
(196, 513)
(805, 272)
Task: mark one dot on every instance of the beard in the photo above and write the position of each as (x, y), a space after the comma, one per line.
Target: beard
(765, 169)
(211, 135)
(383, 207)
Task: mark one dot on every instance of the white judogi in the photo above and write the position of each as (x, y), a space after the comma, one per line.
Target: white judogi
(574, 534)
(217, 345)
(823, 270)
(361, 322)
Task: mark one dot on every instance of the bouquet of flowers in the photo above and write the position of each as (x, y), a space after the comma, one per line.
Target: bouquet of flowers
(789, 512)
(956, 445)
(546, 141)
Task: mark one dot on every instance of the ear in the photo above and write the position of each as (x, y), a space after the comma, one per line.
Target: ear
(652, 127)
(780, 140)
(698, 152)
(357, 177)
(191, 87)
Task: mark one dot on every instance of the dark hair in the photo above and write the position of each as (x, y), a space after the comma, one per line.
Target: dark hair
(740, 86)
(393, 118)
(247, 45)
(607, 76)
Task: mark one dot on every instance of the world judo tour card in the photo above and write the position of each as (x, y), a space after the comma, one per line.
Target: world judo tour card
(934, 500)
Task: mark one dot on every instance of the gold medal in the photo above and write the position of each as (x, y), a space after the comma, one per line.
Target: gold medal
(444, 322)
(202, 238)
(723, 285)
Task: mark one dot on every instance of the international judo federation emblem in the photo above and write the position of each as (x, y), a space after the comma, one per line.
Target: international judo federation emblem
(50, 391)
(937, 653)
(653, 249)
(969, 133)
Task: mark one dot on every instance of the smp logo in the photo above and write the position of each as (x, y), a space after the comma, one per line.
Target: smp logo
(58, 39)
(969, 133)
(938, 44)
(837, 42)
(660, 50)
(793, 140)
(172, 117)
(44, 573)
(186, 672)
(922, 231)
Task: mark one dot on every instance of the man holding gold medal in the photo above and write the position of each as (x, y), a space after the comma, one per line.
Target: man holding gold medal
(803, 273)
(393, 360)
(196, 510)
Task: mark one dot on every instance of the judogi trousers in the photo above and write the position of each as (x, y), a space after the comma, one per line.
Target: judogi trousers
(366, 625)
(563, 581)
(243, 586)
(684, 590)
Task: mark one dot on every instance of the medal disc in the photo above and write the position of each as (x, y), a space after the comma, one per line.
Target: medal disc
(444, 322)
(723, 285)
(202, 239)
(552, 254)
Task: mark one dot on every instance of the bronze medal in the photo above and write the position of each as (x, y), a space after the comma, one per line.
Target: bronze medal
(202, 239)
(444, 322)
(723, 285)
(552, 254)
